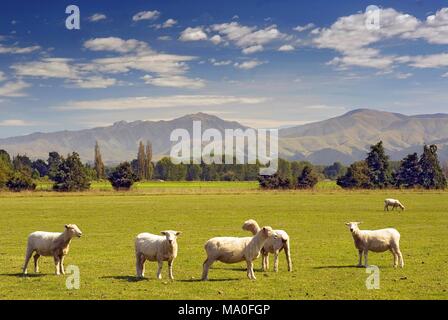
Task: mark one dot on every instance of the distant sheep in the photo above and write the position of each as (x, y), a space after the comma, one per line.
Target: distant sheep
(376, 241)
(272, 245)
(53, 244)
(393, 203)
(156, 248)
(233, 250)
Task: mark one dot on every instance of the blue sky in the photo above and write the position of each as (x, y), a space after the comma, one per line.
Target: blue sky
(263, 63)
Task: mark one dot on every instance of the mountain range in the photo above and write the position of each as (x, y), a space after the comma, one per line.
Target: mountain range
(345, 138)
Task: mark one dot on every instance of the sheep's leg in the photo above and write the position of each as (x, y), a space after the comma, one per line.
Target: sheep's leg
(170, 269)
(288, 255)
(57, 261)
(276, 261)
(28, 255)
(400, 256)
(61, 264)
(265, 261)
(206, 266)
(159, 270)
(250, 270)
(366, 253)
(36, 264)
(360, 258)
(138, 270)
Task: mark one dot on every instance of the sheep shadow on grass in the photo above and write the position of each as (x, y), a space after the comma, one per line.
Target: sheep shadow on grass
(29, 275)
(339, 267)
(126, 278)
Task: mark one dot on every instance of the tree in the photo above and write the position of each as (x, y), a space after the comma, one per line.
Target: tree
(122, 177)
(408, 175)
(141, 161)
(98, 163)
(71, 175)
(445, 169)
(431, 176)
(22, 164)
(378, 163)
(273, 182)
(149, 168)
(54, 161)
(193, 172)
(5, 168)
(357, 176)
(164, 168)
(335, 171)
(41, 167)
(308, 179)
(20, 181)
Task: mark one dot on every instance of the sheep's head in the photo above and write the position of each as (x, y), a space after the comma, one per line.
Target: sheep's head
(73, 230)
(401, 206)
(251, 225)
(171, 236)
(353, 226)
(268, 232)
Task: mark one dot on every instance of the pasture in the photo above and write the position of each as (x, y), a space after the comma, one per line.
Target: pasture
(322, 248)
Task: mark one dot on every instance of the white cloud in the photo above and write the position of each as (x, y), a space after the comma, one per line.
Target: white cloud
(245, 37)
(160, 102)
(428, 61)
(17, 50)
(93, 82)
(304, 28)
(15, 123)
(247, 65)
(286, 48)
(169, 23)
(146, 15)
(434, 29)
(115, 44)
(253, 49)
(403, 76)
(164, 38)
(47, 68)
(2, 76)
(217, 63)
(97, 17)
(216, 39)
(13, 89)
(445, 75)
(174, 81)
(193, 34)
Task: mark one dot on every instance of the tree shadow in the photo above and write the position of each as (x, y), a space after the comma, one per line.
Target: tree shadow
(125, 278)
(21, 275)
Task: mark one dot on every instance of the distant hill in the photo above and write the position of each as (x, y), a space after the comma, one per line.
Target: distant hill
(345, 138)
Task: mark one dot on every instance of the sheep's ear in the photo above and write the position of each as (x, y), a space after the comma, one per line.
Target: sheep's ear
(359, 222)
(347, 224)
(66, 226)
(178, 233)
(163, 233)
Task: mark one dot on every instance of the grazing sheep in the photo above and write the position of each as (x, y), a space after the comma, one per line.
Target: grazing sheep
(55, 244)
(272, 245)
(233, 250)
(392, 203)
(376, 241)
(156, 248)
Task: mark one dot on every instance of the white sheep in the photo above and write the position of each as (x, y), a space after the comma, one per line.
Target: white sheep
(156, 248)
(55, 244)
(233, 250)
(376, 241)
(272, 245)
(392, 203)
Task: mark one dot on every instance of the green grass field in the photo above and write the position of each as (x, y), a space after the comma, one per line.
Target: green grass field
(322, 248)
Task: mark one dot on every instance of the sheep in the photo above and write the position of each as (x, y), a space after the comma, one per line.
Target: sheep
(271, 245)
(156, 248)
(47, 244)
(392, 203)
(233, 250)
(376, 241)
